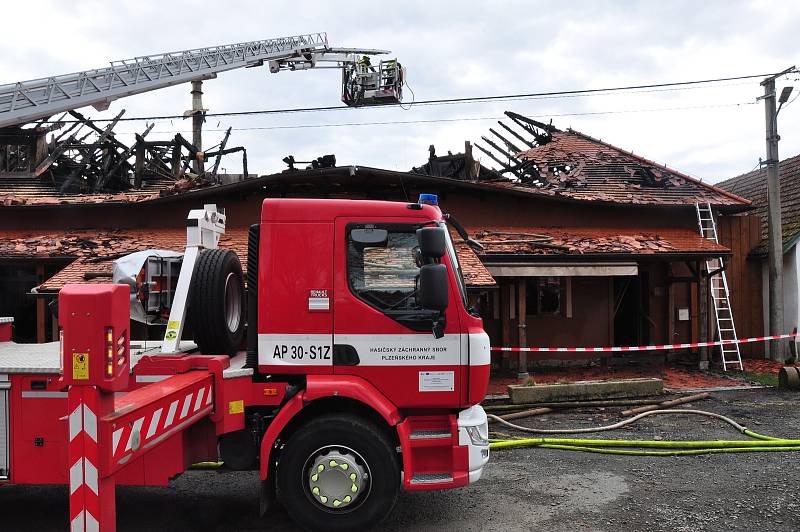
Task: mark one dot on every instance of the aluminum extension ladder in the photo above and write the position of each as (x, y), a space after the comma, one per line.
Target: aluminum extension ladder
(720, 293)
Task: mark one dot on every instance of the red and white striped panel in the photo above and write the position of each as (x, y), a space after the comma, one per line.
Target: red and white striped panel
(665, 347)
(84, 484)
(150, 424)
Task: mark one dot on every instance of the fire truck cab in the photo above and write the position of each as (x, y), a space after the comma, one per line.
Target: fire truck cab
(359, 374)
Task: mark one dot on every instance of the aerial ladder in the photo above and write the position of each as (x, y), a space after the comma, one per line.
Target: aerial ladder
(363, 84)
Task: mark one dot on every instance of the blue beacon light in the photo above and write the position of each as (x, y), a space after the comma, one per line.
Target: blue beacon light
(429, 199)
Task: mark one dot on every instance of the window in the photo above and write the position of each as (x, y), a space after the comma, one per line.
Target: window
(385, 275)
(14, 158)
(546, 296)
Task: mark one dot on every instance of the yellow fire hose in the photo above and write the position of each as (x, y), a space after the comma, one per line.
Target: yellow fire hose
(760, 442)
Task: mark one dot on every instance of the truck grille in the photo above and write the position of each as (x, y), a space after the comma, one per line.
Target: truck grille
(252, 295)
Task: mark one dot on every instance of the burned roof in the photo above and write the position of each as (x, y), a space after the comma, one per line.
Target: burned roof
(571, 164)
(84, 163)
(753, 186)
(93, 252)
(587, 241)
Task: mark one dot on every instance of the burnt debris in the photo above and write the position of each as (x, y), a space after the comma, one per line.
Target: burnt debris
(81, 157)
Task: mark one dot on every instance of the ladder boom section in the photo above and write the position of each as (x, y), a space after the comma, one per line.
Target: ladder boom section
(27, 101)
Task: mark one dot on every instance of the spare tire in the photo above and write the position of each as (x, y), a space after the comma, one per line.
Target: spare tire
(217, 302)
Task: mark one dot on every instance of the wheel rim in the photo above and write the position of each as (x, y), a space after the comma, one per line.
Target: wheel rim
(336, 478)
(233, 302)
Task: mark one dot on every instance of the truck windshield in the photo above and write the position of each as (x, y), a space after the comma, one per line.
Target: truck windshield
(451, 251)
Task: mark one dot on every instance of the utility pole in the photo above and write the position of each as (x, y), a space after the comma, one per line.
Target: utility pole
(775, 231)
(198, 116)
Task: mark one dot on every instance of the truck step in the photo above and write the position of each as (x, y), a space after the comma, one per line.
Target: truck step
(430, 434)
(431, 478)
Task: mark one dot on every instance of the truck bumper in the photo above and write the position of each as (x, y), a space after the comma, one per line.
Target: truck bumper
(473, 432)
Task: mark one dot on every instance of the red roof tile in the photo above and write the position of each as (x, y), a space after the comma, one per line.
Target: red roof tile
(475, 273)
(574, 165)
(591, 240)
(95, 251)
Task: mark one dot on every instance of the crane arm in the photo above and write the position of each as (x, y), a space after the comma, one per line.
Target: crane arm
(27, 101)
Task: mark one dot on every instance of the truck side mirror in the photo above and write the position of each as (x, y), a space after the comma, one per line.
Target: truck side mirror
(432, 293)
(431, 242)
(433, 289)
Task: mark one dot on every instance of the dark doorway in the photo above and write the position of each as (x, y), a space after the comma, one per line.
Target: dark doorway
(631, 301)
(17, 278)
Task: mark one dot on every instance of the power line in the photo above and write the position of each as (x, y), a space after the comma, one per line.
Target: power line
(461, 119)
(472, 99)
(445, 120)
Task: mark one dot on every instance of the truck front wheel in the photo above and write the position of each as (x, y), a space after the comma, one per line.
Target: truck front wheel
(338, 472)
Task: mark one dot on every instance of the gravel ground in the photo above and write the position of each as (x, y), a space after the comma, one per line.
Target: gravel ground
(522, 489)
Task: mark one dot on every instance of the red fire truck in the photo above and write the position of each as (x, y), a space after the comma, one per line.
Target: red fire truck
(361, 375)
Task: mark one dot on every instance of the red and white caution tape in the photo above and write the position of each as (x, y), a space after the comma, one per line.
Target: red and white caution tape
(665, 347)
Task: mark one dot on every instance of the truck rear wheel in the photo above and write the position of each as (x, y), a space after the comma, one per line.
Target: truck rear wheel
(338, 472)
(217, 302)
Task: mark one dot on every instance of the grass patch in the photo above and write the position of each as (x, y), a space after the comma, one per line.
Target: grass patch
(765, 379)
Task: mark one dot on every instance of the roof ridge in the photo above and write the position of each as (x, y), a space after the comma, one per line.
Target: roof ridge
(759, 170)
(663, 167)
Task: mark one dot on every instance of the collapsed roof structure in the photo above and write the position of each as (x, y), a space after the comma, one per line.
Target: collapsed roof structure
(542, 159)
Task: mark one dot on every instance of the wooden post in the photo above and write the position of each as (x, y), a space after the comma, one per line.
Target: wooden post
(702, 303)
(522, 360)
(177, 167)
(41, 333)
(469, 162)
(138, 166)
(670, 307)
(611, 312)
(505, 321)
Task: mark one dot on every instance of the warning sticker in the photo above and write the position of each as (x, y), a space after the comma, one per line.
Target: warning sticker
(172, 329)
(80, 366)
(436, 381)
(236, 407)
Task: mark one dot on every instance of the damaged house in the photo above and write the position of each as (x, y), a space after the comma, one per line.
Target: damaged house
(595, 246)
(581, 243)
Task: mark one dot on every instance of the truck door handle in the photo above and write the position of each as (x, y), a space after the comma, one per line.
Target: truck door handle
(345, 355)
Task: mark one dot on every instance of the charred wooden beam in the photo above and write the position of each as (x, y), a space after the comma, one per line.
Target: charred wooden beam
(517, 135)
(124, 156)
(507, 142)
(510, 155)
(67, 131)
(50, 159)
(550, 128)
(102, 132)
(505, 166)
(138, 166)
(177, 171)
(219, 154)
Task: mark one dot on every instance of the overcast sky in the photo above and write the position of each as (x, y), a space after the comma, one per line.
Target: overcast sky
(450, 50)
